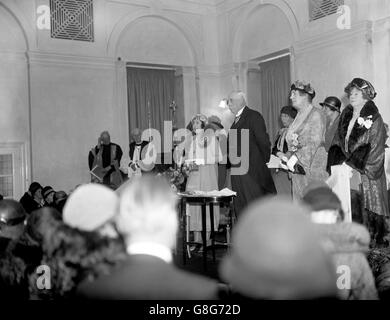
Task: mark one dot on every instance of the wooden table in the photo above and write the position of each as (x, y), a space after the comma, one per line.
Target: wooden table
(203, 201)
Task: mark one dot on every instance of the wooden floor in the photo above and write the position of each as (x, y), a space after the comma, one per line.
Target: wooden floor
(195, 263)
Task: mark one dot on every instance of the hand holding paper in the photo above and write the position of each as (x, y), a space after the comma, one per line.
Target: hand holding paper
(274, 162)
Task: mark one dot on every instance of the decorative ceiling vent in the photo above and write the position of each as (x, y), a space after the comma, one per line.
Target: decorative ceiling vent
(322, 8)
(72, 19)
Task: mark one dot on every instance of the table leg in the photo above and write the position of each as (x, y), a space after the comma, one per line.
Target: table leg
(204, 239)
(212, 233)
(188, 235)
(229, 224)
(184, 234)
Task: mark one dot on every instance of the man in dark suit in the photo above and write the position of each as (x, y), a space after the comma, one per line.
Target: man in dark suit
(148, 223)
(248, 153)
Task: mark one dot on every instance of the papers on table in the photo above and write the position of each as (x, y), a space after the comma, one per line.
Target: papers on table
(274, 162)
(198, 162)
(214, 193)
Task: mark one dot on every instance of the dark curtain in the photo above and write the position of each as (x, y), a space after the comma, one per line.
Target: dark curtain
(150, 94)
(275, 88)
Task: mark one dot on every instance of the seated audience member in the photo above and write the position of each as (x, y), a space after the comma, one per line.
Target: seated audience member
(13, 283)
(12, 218)
(148, 222)
(48, 196)
(92, 207)
(60, 198)
(277, 254)
(72, 255)
(379, 260)
(32, 199)
(15, 256)
(347, 242)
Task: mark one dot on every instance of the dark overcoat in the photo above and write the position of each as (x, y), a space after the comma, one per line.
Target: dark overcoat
(365, 153)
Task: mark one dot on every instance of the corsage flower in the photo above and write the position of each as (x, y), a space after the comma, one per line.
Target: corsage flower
(365, 122)
(294, 142)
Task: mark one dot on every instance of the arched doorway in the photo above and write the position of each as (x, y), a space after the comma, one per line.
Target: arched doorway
(153, 47)
(263, 38)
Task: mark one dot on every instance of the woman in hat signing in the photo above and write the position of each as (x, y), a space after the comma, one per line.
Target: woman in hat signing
(202, 155)
(360, 143)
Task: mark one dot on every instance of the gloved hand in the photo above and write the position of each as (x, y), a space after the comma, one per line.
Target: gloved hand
(283, 163)
(291, 163)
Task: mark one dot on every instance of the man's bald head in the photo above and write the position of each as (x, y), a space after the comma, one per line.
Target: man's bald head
(105, 137)
(237, 101)
(136, 134)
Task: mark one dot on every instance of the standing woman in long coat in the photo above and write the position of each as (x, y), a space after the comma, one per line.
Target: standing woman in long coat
(203, 151)
(360, 142)
(306, 156)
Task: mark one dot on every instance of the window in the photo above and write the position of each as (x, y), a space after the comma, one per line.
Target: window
(72, 19)
(6, 175)
(322, 8)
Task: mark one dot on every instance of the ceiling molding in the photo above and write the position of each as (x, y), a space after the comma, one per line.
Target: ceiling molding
(362, 29)
(55, 59)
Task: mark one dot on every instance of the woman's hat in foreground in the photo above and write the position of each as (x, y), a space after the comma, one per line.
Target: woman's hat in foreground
(90, 206)
(277, 254)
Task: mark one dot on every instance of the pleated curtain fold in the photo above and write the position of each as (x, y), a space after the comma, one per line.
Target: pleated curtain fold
(150, 94)
(275, 87)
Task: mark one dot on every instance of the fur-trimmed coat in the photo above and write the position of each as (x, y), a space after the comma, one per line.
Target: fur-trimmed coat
(365, 153)
(348, 244)
(311, 154)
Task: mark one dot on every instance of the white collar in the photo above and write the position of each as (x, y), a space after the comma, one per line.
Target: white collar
(151, 249)
(238, 114)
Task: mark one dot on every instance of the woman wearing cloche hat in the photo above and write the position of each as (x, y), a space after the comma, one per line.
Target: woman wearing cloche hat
(360, 143)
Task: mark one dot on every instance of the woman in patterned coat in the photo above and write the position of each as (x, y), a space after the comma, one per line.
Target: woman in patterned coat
(360, 142)
(306, 156)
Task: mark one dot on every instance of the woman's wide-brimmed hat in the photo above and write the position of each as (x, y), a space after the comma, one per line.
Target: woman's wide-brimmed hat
(200, 117)
(363, 85)
(304, 87)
